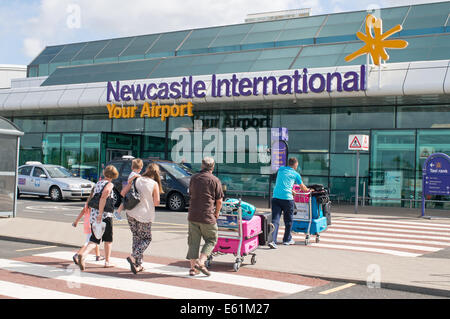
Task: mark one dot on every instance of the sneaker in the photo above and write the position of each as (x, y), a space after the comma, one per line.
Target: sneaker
(291, 242)
(272, 245)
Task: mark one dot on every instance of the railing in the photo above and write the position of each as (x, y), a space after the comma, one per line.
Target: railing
(242, 192)
(367, 200)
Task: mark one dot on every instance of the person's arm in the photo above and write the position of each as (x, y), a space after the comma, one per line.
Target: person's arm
(156, 195)
(218, 207)
(75, 223)
(101, 206)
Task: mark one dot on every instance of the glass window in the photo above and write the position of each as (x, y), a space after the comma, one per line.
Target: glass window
(71, 151)
(264, 32)
(314, 180)
(167, 44)
(309, 141)
(200, 39)
(392, 165)
(138, 47)
(302, 28)
(339, 140)
(245, 184)
(31, 146)
(362, 117)
(312, 164)
(155, 142)
(441, 47)
(88, 53)
(205, 64)
(277, 59)
(343, 24)
(32, 125)
(64, 124)
(427, 16)
(51, 149)
(343, 188)
(25, 170)
(231, 35)
(345, 165)
(302, 118)
(430, 142)
(319, 56)
(135, 125)
(113, 49)
(47, 55)
(419, 49)
(242, 168)
(172, 67)
(154, 125)
(38, 172)
(433, 116)
(68, 52)
(96, 123)
(238, 62)
(90, 157)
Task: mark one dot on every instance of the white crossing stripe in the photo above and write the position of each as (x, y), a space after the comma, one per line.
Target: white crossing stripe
(167, 270)
(109, 282)
(447, 226)
(388, 224)
(20, 291)
(393, 237)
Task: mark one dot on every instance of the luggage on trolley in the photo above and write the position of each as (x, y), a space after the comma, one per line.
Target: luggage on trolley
(236, 235)
(308, 215)
(267, 228)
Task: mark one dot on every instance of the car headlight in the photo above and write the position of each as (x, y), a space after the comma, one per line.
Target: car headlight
(74, 186)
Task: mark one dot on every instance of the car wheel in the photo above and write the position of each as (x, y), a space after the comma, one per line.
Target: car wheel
(176, 202)
(55, 194)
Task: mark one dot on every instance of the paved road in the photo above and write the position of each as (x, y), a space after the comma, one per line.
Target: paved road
(30, 270)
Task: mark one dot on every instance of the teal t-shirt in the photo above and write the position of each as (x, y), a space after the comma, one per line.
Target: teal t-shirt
(286, 178)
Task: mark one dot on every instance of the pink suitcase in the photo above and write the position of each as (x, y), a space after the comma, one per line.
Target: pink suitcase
(230, 246)
(298, 198)
(252, 227)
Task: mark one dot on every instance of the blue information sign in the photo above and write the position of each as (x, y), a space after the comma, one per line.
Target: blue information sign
(279, 137)
(435, 176)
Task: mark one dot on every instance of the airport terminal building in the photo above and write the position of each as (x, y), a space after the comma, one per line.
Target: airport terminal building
(83, 104)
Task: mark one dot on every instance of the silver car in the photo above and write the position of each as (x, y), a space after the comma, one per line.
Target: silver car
(43, 180)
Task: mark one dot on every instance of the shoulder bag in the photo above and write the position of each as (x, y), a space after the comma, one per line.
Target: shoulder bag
(94, 202)
(132, 198)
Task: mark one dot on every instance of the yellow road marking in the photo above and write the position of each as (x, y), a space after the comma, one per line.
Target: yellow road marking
(38, 248)
(326, 292)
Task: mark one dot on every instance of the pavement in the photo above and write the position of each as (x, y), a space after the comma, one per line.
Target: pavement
(427, 275)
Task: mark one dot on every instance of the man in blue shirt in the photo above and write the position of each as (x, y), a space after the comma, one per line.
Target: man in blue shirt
(283, 200)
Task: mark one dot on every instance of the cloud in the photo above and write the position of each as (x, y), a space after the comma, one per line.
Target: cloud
(32, 46)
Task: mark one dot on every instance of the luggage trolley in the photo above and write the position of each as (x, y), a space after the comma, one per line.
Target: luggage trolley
(232, 239)
(302, 219)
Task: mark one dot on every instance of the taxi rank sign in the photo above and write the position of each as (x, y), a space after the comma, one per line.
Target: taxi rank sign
(435, 177)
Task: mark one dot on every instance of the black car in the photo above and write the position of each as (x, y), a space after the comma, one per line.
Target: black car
(175, 180)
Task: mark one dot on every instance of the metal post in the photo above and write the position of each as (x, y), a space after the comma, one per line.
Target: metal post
(357, 182)
(364, 195)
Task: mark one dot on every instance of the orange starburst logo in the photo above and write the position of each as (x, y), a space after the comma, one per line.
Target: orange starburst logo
(376, 43)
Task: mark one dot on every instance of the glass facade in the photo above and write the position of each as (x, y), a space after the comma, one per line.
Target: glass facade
(390, 173)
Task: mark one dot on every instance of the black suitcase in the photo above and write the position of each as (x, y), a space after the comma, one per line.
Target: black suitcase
(267, 228)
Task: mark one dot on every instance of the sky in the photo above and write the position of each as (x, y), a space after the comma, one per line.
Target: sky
(28, 26)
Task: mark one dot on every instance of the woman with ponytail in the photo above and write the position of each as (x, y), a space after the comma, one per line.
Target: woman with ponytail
(142, 216)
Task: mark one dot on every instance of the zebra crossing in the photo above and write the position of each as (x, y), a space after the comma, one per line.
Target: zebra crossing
(384, 236)
(53, 275)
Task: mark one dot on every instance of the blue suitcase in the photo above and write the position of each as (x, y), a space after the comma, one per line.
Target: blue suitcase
(318, 222)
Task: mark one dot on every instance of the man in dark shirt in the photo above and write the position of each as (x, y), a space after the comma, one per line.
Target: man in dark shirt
(206, 195)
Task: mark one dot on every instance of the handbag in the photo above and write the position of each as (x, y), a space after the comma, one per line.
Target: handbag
(132, 198)
(94, 202)
(98, 229)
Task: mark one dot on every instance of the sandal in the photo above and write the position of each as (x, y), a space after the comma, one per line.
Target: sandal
(109, 265)
(75, 259)
(202, 268)
(193, 272)
(132, 265)
(139, 268)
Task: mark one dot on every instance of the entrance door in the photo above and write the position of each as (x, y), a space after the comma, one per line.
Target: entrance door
(112, 154)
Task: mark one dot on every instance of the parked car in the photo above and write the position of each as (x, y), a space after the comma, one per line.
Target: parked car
(175, 180)
(35, 178)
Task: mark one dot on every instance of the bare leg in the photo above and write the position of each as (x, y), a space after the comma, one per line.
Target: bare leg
(108, 247)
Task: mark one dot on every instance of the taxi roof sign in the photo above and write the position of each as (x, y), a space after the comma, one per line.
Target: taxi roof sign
(358, 142)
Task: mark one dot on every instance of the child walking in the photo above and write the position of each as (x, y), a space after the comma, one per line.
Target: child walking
(85, 213)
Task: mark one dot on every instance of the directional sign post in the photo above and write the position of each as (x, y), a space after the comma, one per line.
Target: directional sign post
(358, 143)
(435, 177)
